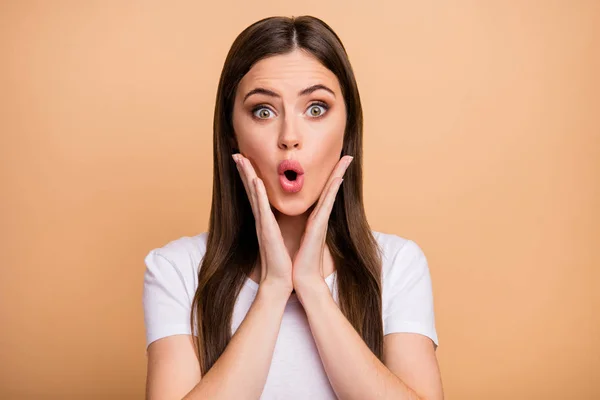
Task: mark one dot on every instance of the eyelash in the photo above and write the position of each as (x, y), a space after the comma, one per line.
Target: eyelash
(316, 103)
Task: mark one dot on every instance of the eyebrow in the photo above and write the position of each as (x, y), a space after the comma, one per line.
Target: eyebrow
(303, 92)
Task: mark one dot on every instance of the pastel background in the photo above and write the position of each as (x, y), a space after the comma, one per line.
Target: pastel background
(482, 144)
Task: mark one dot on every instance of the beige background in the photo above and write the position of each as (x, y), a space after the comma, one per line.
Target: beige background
(482, 144)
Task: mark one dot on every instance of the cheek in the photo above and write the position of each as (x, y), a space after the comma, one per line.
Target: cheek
(328, 143)
(251, 144)
(250, 136)
(258, 154)
(323, 162)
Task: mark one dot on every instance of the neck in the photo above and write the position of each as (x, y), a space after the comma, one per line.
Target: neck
(292, 229)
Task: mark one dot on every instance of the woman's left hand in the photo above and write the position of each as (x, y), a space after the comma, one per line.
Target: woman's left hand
(307, 269)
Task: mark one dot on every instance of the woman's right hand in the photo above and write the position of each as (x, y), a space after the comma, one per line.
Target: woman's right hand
(276, 265)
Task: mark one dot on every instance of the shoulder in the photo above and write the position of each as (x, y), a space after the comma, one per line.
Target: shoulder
(183, 248)
(178, 260)
(404, 266)
(170, 282)
(407, 295)
(399, 255)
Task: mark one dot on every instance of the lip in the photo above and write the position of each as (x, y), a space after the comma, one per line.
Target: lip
(291, 186)
(290, 165)
(287, 185)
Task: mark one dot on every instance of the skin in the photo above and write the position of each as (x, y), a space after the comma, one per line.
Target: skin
(286, 128)
(291, 127)
(291, 230)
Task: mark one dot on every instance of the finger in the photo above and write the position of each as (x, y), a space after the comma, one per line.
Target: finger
(248, 168)
(271, 232)
(337, 173)
(247, 183)
(264, 209)
(268, 220)
(322, 198)
(250, 176)
(250, 190)
(263, 201)
(259, 225)
(324, 211)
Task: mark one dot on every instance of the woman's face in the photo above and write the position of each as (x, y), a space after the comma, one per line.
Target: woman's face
(289, 118)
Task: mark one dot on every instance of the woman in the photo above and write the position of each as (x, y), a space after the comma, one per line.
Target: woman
(290, 293)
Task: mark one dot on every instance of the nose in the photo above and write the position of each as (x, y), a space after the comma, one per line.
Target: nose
(289, 137)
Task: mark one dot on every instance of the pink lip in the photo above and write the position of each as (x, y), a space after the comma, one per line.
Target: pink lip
(290, 165)
(291, 186)
(286, 184)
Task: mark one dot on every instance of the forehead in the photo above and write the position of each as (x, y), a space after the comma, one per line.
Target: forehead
(294, 71)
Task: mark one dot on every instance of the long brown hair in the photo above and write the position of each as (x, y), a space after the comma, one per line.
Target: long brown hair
(232, 245)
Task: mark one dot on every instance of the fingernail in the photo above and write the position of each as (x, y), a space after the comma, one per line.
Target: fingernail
(349, 160)
(234, 156)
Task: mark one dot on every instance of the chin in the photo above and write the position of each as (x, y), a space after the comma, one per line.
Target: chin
(292, 207)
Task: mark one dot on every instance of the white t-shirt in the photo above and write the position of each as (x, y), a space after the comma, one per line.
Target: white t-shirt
(296, 371)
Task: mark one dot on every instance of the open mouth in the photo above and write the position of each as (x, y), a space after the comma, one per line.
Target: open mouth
(291, 175)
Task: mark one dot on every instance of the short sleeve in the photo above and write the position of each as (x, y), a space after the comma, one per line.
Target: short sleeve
(408, 295)
(166, 299)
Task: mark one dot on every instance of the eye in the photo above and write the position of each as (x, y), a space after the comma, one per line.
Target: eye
(317, 110)
(262, 112)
